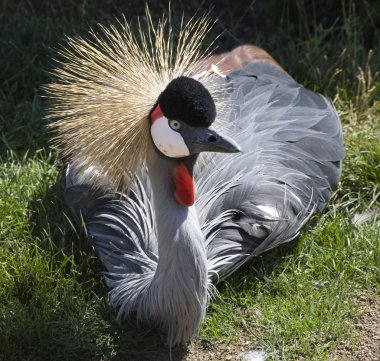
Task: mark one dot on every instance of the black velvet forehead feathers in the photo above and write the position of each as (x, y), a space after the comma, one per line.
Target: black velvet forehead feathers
(188, 100)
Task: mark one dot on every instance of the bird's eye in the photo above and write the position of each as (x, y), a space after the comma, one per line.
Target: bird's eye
(174, 124)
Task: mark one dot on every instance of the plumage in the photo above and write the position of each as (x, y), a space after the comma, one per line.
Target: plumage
(161, 256)
(106, 86)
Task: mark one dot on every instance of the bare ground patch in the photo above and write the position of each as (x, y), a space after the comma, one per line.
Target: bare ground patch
(198, 351)
(367, 346)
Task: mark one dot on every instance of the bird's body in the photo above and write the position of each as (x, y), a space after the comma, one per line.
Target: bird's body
(161, 252)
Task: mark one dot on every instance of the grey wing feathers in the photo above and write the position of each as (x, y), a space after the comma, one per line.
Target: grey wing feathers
(291, 161)
(123, 233)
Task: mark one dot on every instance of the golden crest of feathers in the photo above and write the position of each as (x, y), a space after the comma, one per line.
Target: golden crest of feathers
(107, 85)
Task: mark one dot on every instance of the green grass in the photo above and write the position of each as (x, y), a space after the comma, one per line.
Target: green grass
(296, 302)
(302, 306)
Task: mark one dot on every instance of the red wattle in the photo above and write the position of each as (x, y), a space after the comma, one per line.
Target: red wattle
(157, 113)
(184, 186)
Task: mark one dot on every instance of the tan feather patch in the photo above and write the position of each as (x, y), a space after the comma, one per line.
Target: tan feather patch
(106, 86)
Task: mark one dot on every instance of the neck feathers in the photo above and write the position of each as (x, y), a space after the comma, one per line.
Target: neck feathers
(177, 296)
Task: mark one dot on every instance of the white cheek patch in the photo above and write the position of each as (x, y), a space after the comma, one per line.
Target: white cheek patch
(168, 141)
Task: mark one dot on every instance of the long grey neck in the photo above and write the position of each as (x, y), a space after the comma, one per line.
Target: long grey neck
(179, 286)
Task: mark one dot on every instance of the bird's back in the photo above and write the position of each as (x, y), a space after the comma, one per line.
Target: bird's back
(292, 151)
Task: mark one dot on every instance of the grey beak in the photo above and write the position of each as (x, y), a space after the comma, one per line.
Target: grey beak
(209, 140)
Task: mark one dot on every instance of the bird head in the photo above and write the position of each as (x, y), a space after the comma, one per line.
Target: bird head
(122, 90)
(181, 121)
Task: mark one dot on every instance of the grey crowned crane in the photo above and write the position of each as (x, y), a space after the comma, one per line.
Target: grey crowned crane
(135, 113)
